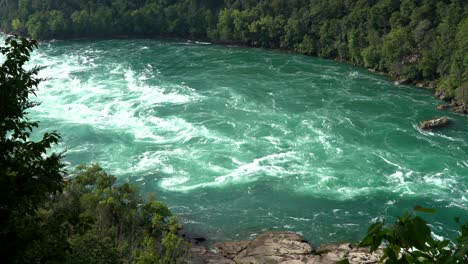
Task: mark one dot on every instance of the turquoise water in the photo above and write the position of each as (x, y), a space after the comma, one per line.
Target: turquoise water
(238, 141)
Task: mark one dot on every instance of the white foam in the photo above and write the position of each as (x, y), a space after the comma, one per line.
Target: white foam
(168, 183)
(104, 104)
(300, 219)
(391, 163)
(434, 134)
(397, 177)
(247, 172)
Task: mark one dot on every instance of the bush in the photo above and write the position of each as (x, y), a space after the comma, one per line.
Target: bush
(409, 240)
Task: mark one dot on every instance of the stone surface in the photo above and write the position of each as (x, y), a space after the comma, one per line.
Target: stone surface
(402, 82)
(231, 249)
(353, 253)
(443, 96)
(278, 243)
(461, 109)
(426, 85)
(204, 255)
(443, 107)
(435, 123)
(281, 247)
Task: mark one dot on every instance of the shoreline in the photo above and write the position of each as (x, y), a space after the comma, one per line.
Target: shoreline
(451, 104)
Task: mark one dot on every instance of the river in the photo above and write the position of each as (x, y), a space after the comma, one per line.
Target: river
(237, 141)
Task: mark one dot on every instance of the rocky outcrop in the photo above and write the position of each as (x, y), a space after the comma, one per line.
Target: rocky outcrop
(426, 85)
(443, 107)
(281, 247)
(461, 109)
(443, 96)
(332, 253)
(435, 123)
(402, 81)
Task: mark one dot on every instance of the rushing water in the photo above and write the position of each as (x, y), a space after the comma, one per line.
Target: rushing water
(238, 141)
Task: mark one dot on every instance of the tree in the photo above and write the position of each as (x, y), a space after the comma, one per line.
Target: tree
(409, 240)
(464, 96)
(27, 171)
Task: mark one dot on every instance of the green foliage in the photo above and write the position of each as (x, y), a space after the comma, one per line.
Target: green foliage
(415, 40)
(307, 46)
(409, 240)
(27, 171)
(86, 219)
(463, 94)
(96, 221)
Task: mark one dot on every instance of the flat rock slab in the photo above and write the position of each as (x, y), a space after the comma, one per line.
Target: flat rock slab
(281, 247)
(354, 254)
(277, 244)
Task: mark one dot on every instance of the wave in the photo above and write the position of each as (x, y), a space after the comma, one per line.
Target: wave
(193, 121)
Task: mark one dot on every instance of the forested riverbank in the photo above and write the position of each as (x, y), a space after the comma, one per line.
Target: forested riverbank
(320, 161)
(414, 41)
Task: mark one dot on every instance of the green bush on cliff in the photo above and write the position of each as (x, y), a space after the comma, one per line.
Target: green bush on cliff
(409, 240)
(107, 223)
(85, 219)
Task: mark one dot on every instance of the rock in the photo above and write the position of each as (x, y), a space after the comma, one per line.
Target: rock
(191, 237)
(410, 59)
(402, 81)
(354, 254)
(231, 249)
(435, 123)
(461, 109)
(278, 243)
(425, 85)
(281, 247)
(376, 71)
(421, 84)
(443, 107)
(271, 247)
(454, 103)
(443, 96)
(203, 255)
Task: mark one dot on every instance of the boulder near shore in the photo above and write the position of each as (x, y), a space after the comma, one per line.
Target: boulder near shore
(280, 247)
(435, 123)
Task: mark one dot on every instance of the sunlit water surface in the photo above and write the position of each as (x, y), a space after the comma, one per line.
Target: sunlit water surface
(238, 141)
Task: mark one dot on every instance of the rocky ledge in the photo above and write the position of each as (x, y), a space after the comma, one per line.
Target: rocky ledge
(280, 247)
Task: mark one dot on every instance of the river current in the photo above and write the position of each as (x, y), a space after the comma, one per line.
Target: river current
(237, 141)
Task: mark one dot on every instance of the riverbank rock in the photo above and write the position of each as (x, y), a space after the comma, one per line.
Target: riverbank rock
(281, 247)
(443, 96)
(461, 109)
(426, 85)
(435, 123)
(402, 82)
(192, 238)
(443, 107)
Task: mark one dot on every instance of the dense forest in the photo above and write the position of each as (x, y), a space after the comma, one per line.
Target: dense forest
(419, 41)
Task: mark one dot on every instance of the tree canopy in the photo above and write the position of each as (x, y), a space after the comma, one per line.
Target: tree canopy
(27, 172)
(411, 39)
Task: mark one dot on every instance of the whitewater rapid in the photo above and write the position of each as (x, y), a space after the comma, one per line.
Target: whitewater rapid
(187, 120)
